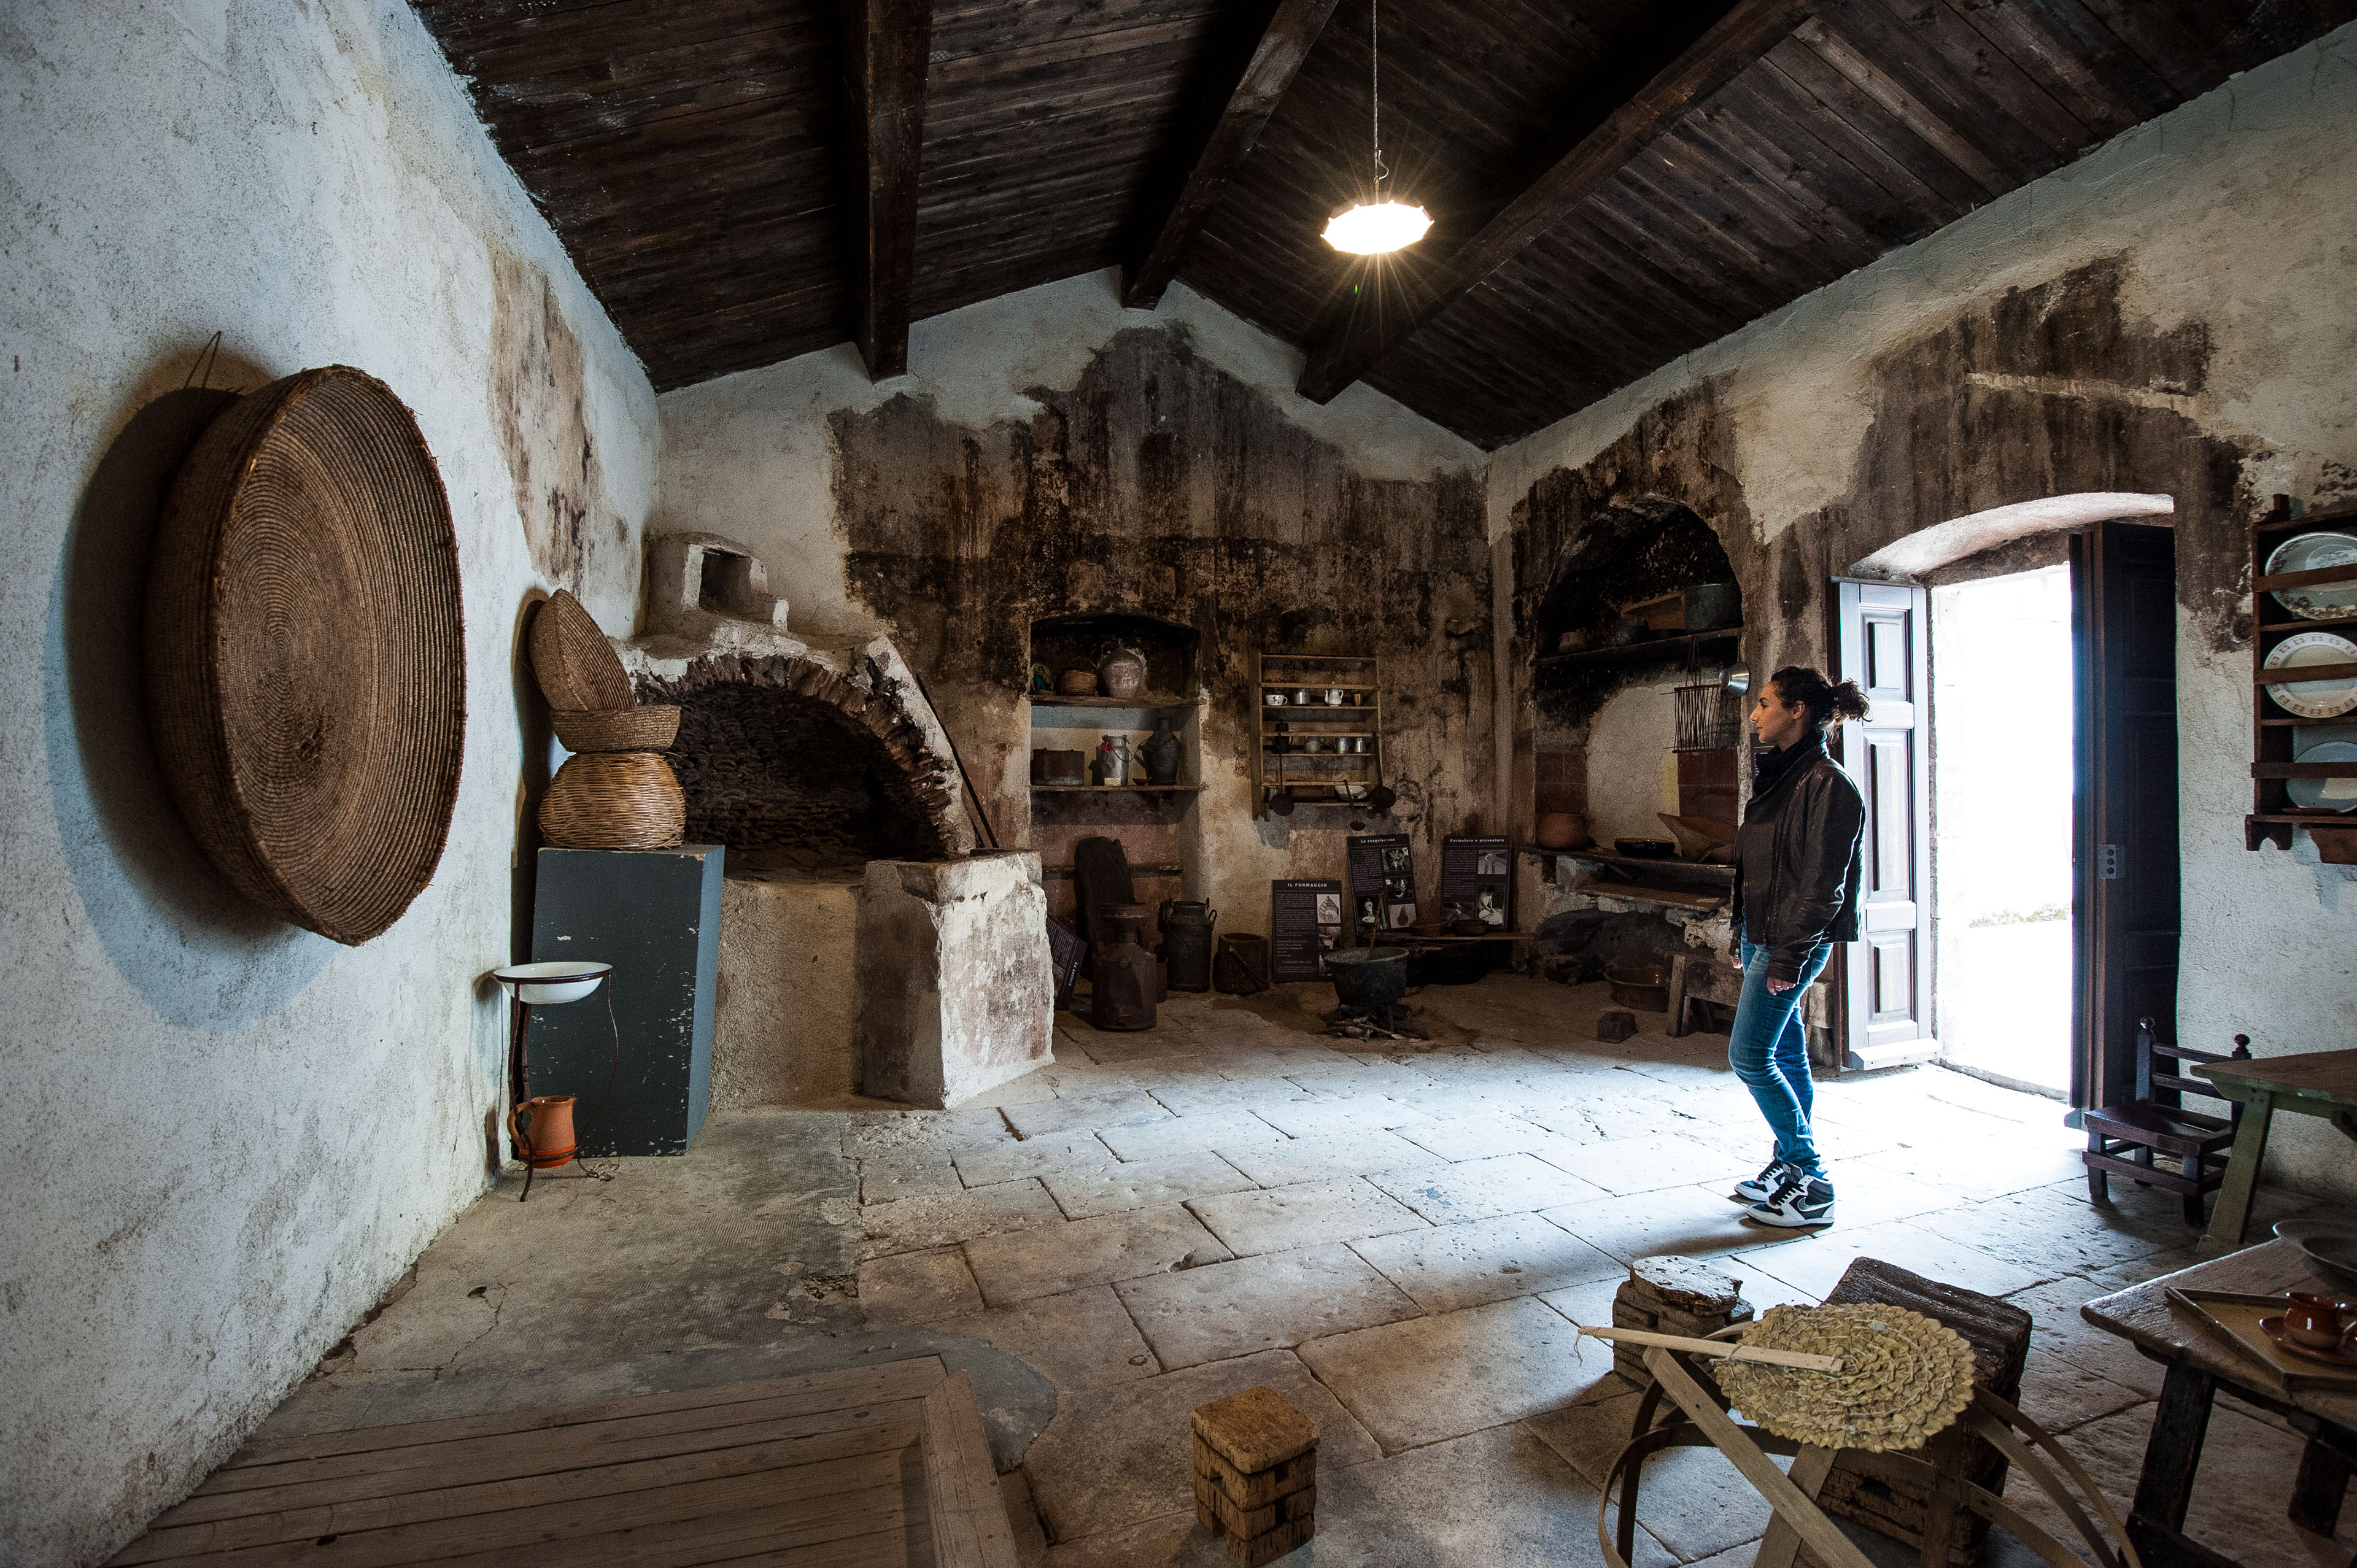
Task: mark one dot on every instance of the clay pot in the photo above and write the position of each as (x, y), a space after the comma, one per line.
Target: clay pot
(1574, 641)
(1121, 672)
(1562, 829)
(543, 1130)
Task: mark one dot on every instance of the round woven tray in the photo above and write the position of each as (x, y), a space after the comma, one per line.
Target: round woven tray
(1903, 1377)
(650, 728)
(305, 651)
(614, 800)
(578, 668)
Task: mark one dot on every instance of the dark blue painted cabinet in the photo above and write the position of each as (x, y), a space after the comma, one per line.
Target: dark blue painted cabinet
(654, 914)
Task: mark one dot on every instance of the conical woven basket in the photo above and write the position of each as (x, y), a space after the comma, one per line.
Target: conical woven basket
(614, 800)
(1903, 1377)
(577, 668)
(650, 728)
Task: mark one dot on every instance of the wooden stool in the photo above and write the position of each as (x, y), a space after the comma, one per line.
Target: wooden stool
(1256, 1474)
(1670, 1294)
(1998, 1333)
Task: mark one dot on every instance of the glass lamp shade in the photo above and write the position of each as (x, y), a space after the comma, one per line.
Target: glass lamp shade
(1374, 231)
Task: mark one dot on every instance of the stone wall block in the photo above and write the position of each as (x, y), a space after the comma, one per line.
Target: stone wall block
(955, 991)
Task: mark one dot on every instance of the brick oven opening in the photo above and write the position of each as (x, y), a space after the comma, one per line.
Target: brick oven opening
(787, 763)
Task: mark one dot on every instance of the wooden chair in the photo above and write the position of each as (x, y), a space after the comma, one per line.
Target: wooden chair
(2123, 1139)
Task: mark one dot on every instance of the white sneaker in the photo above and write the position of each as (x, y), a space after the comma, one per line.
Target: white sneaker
(1762, 1188)
(1801, 1201)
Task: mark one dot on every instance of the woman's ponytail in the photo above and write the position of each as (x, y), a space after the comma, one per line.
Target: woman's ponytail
(1828, 703)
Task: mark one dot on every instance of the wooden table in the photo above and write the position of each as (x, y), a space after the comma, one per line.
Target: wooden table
(2316, 1083)
(2198, 1363)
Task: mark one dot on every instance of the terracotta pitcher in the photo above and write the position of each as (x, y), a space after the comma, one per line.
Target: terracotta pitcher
(543, 1129)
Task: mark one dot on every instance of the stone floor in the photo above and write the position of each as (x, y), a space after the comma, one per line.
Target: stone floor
(1400, 1242)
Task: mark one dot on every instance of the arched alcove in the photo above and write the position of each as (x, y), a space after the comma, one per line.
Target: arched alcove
(1629, 552)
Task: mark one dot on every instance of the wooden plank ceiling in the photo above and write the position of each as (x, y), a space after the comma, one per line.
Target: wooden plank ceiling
(1613, 183)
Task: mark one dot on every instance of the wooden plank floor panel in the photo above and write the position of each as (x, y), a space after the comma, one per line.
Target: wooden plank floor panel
(881, 1466)
(821, 1392)
(487, 1460)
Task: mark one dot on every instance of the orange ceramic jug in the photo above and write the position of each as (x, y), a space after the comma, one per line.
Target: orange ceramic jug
(542, 1128)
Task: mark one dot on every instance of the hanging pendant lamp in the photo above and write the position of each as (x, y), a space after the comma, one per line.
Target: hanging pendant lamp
(1381, 226)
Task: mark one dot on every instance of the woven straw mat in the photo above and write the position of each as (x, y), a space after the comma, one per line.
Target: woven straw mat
(1903, 1377)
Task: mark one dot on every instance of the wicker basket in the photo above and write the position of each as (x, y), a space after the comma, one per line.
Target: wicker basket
(614, 800)
(306, 655)
(578, 670)
(1076, 683)
(650, 728)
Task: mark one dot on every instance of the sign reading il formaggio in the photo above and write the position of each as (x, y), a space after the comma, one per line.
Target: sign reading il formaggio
(1305, 922)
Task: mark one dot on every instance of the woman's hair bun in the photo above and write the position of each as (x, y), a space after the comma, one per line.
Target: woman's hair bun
(1828, 703)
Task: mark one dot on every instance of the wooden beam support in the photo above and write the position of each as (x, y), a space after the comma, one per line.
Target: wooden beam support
(1349, 348)
(1284, 45)
(886, 45)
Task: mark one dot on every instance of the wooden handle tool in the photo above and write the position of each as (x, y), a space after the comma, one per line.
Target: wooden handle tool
(1723, 1350)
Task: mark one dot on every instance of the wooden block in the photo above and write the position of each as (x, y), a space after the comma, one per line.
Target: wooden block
(1225, 1516)
(1262, 1549)
(1256, 1430)
(1689, 1284)
(1260, 1489)
(1615, 1025)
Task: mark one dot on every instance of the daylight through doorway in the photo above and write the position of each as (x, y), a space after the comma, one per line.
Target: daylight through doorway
(2001, 782)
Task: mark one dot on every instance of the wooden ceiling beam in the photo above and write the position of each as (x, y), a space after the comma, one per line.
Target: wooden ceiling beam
(886, 47)
(1284, 45)
(1349, 346)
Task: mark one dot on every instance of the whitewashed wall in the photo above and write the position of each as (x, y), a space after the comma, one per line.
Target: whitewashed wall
(2230, 212)
(222, 1139)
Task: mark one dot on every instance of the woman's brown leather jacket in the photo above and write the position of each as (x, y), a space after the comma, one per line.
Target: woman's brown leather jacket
(1809, 824)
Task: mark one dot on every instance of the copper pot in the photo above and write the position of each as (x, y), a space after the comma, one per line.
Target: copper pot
(1562, 829)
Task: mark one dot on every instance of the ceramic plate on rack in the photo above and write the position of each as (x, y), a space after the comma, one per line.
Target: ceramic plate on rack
(2332, 794)
(2313, 553)
(2314, 698)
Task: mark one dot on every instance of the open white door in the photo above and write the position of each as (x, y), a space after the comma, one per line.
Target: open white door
(1882, 642)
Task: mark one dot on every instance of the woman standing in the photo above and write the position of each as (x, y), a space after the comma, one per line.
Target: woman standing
(1796, 887)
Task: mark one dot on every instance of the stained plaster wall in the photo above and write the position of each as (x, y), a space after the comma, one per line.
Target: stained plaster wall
(2170, 314)
(1051, 453)
(222, 1139)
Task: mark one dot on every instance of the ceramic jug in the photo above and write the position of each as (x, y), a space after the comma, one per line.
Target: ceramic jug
(1121, 672)
(543, 1130)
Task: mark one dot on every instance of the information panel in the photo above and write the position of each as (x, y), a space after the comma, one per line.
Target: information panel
(1305, 922)
(1476, 879)
(1382, 884)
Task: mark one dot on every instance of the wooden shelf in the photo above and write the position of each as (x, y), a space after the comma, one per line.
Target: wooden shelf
(1146, 701)
(1705, 871)
(1313, 778)
(1662, 897)
(2328, 520)
(1651, 648)
(1114, 789)
(2308, 624)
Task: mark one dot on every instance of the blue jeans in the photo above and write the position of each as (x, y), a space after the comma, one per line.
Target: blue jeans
(1768, 1049)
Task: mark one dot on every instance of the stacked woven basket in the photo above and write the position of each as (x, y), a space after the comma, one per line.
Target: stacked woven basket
(616, 791)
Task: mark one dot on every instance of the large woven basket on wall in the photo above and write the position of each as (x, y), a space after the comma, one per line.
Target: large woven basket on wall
(614, 800)
(305, 651)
